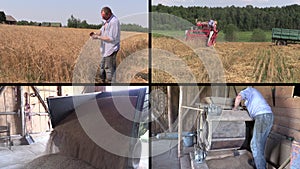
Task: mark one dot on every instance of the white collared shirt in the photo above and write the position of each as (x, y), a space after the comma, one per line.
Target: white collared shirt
(110, 29)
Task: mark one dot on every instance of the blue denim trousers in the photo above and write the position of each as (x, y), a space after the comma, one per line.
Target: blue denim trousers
(262, 127)
(108, 67)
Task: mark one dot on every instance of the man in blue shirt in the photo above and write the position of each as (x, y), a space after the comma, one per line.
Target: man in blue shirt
(110, 44)
(261, 112)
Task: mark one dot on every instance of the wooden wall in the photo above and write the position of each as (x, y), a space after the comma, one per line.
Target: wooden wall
(8, 103)
(286, 110)
(37, 119)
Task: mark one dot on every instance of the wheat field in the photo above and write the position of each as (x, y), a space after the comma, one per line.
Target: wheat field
(30, 54)
(227, 62)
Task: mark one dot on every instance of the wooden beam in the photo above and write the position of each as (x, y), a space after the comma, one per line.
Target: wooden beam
(284, 91)
(181, 114)
(180, 120)
(286, 131)
(288, 102)
(288, 122)
(37, 93)
(212, 155)
(192, 103)
(59, 91)
(286, 112)
(231, 115)
(8, 113)
(22, 109)
(192, 108)
(170, 108)
(160, 123)
(2, 89)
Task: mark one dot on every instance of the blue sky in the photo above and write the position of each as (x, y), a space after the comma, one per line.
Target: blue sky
(60, 10)
(223, 3)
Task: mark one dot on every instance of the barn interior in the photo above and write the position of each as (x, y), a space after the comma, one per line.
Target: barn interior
(74, 127)
(195, 127)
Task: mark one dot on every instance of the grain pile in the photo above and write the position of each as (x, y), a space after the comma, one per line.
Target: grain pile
(70, 140)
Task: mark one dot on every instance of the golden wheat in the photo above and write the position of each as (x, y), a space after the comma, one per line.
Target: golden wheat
(30, 54)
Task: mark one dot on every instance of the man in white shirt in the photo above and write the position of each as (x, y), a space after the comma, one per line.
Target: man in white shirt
(110, 44)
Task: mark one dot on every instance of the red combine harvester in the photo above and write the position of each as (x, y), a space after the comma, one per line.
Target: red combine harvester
(201, 31)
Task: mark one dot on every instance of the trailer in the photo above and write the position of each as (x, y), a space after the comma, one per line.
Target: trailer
(282, 36)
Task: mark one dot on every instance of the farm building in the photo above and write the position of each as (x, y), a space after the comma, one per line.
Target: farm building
(10, 20)
(72, 127)
(195, 127)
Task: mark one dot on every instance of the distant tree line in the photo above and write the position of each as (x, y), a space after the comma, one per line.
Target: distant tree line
(244, 18)
(133, 27)
(77, 23)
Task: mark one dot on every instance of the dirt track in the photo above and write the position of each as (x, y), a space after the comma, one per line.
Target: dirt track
(232, 62)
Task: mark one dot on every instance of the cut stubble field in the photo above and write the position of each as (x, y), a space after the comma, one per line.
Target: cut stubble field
(30, 54)
(228, 62)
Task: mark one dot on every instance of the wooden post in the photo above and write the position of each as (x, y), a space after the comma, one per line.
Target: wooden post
(181, 96)
(59, 91)
(170, 107)
(2, 88)
(22, 109)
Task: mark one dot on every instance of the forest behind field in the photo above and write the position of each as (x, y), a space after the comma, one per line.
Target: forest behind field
(245, 18)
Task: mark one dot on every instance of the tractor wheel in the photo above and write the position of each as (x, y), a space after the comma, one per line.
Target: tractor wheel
(281, 42)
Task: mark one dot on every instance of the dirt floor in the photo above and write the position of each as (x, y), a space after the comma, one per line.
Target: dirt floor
(169, 159)
(175, 60)
(21, 155)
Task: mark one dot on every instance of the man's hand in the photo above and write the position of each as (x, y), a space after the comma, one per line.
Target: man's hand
(95, 36)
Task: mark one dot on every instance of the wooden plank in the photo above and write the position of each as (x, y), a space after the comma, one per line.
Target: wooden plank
(170, 108)
(8, 113)
(9, 99)
(228, 129)
(287, 112)
(212, 155)
(191, 108)
(288, 102)
(227, 143)
(185, 162)
(22, 103)
(288, 122)
(231, 115)
(266, 91)
(284, 91)
(286, 131)
(180, 112)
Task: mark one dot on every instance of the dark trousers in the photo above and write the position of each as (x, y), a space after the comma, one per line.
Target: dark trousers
(108, 67)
